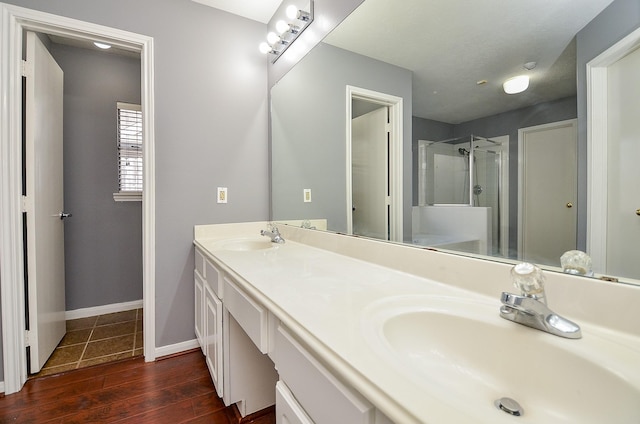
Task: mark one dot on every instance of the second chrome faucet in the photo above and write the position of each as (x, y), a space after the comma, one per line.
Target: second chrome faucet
(273, 234)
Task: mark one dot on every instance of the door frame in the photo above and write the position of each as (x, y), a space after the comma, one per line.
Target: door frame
(13, 21)
(395, 155)
(597, 146)
(521, 163)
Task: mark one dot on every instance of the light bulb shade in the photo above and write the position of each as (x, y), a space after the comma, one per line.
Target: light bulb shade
(292, 12)
(282, 27)
(516, 85)
(264, 48)
(272, 38)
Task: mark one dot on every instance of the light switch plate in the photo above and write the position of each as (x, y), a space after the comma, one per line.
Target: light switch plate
(307, 195)
(222, 195)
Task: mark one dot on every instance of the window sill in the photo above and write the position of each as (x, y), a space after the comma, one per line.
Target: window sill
(131, 196)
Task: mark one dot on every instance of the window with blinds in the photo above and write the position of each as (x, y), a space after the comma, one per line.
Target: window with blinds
(129, 149)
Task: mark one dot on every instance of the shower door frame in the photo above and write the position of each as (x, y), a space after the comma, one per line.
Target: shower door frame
(503, 187)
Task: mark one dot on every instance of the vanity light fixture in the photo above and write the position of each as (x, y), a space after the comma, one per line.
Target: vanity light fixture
(294, 13)
(273, 38)
(102, 46)
(287, 31)
(516, 85)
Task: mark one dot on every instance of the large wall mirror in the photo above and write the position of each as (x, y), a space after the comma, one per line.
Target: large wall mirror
(397, 126)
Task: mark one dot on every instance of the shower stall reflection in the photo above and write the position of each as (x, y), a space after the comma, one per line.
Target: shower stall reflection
(461, 195)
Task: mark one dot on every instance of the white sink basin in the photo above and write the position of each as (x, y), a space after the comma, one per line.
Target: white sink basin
(463, 352)
(245, 244)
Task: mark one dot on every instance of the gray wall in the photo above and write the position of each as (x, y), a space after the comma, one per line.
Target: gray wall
(614, 23)
(501, 124)
(103, 238)
(308, 108)
(210, 126)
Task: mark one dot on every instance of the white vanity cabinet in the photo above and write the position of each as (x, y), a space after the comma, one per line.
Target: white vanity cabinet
(288, 410)
(309, 393)
(231, 328)
(240, 337)
(208, 317)
(199, 312)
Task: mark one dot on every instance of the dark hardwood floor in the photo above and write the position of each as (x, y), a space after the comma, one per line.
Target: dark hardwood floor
(172, 390)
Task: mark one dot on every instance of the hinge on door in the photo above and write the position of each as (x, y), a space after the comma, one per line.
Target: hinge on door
(27, 341)
(25, 203)
(25, 68)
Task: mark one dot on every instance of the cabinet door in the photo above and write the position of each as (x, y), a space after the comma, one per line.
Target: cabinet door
(213, 326)
(288, 411)
(199, 309)
(213, 339)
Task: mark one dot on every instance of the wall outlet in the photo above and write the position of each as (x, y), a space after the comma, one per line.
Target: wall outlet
(222, 195)
(307, 195)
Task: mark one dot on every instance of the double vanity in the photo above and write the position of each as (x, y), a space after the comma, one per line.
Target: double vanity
(340, 329)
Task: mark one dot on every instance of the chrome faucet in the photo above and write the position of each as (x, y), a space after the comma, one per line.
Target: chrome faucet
(273, 233)
(530, 307)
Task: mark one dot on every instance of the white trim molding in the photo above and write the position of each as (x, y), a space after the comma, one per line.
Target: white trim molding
(395, 105)
(176, 348)
(102, 310)
(127, 196)
(597, 146)
(15, 20)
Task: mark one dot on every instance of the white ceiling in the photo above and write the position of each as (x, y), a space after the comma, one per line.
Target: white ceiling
(451, 44)
(258, 10)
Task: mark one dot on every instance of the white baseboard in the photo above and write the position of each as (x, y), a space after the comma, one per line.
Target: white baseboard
(101, 310)
(176, 348)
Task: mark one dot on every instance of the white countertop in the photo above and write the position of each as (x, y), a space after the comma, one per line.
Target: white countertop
(324, 298)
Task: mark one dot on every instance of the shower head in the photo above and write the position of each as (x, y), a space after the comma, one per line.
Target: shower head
(463, 151)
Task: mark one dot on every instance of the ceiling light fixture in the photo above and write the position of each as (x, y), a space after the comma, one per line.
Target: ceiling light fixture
(102, 46)
(516, 85)
(287, 31)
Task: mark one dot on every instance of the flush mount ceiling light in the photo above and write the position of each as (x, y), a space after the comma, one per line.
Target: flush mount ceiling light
(287, 31)
(516, 85)
(102, 46)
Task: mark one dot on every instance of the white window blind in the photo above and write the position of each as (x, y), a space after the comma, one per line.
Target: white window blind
(129, 148)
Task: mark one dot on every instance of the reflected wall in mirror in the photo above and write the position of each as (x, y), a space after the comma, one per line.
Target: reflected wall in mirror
(473, 156)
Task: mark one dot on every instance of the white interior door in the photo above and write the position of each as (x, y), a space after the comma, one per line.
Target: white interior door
(548, 191)
(623, 172)
(370, 183)
(44, 202)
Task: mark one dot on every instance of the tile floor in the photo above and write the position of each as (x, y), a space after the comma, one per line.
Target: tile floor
(96, 340)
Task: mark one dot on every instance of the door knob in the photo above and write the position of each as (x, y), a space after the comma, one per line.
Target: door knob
(638, 212)
(64, 215)
(569, 205)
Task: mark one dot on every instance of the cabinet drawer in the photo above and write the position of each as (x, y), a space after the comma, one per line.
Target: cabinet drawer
(214, 278)
(288, 411)
(199, 262)
(325, 399)
(251, 316)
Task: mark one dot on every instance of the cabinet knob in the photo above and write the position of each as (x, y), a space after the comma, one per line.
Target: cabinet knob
(569, 205)
(638, 212)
